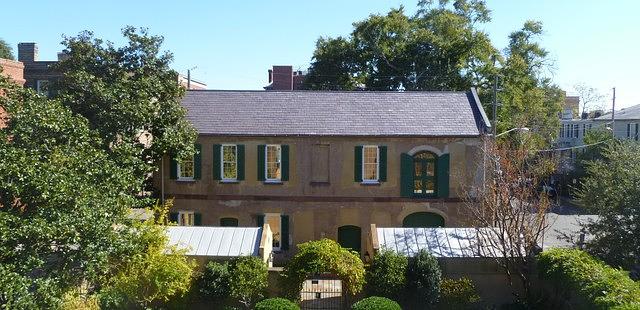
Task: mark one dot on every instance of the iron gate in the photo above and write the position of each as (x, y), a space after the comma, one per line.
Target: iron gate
(322, 292)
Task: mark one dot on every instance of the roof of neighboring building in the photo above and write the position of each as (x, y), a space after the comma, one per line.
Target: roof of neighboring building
(216, 241)
(564, 231)
(630, 113)
(333, 113)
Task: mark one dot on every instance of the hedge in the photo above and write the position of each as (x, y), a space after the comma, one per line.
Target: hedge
(276, 304)
(594, 284)
(376, 303)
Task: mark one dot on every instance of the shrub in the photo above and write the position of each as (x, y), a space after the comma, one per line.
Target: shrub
(595, 284)
(386, 276)
(248, 279)
(457, 294)
(376, 303)
(423, 279)
(276, 304)
(215, 280)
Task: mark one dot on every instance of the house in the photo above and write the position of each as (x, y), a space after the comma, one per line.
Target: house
(284, 78)
(326, 164)
(14, 70)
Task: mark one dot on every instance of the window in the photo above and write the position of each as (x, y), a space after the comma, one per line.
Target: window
(320, 163)
(229, 222)
(229, 162)
(273, 162)
(275, 223)
(424, 175)
(584, 130)
(42, 87)
(562, 131)
(186, 169)
(576, 130)
(186, 218)
(370, 163)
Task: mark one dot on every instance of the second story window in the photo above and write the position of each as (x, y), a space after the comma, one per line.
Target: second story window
(273, 162)
(186, 169)
(229, 162)
(370, 163)
(42, 87)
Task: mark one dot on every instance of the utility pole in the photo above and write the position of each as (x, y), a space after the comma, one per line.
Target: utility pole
(495, 100)
(613, 114)
(188, 78)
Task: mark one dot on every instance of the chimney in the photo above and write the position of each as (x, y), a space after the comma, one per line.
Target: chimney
(27, 52)
(282, 78)
(270, 75)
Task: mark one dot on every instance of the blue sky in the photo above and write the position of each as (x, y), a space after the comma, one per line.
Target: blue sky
(233, 43)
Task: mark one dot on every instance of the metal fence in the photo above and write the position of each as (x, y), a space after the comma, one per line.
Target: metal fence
(322, 292)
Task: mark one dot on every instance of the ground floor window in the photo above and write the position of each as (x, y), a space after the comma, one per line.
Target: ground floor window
(349, 236)
(229, 222)
(275, 223)
(186, 218)
(423, 219)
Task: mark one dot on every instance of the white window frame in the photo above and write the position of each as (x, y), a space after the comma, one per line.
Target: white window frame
(38, 87)
(190, 218)
(279, 217)
(377, 179)
(179, 172)
(266, 162)
(222, 163)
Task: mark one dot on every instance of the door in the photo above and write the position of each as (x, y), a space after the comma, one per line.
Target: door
(349, 237)
(423, 219)
(424, 175)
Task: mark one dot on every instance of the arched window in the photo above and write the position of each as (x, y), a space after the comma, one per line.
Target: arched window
(349, 237)
(423, 219)
(424, 174)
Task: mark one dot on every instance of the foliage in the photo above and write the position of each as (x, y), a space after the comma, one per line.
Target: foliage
(376, 303)
(599, 138)
(215, 281)
(458, 294)
(6, 51)
(125, 93)
(276, 304)
(153, 277)
(423, 278)
(60, 199)
(317, 257)
(248, 279)
(387, 275)
(590, 98)
(611, 190)
(76, 301)
(596, 284)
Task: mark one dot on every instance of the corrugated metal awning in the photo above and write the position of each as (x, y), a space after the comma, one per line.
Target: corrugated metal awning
(440, 242)
(216, 241)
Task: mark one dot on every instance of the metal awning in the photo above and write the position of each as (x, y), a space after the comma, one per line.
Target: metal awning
(216, 241)
(439, 241)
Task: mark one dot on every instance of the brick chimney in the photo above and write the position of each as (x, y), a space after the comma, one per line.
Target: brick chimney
(282, 77)
(27, 52)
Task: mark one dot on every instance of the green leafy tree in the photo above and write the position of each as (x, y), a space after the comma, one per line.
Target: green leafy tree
(424, 277)
(611, 190)
(6, 51)
(215, 281)
(458, 294)
(387, 275)
(248, 280)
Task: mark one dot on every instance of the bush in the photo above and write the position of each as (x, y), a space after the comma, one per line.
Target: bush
(376, 303)
(458, 294)
(276, 304)
(595, 284)
(215, 280)
(248, 279)
(423, 279)
(387, 275)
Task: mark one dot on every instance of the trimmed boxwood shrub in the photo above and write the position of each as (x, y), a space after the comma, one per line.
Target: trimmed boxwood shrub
(387, 275)
(376, 303)
(594, 284)
(276, 304)
(214, 282)
(423, 279)
(240, 280)
(458, 294)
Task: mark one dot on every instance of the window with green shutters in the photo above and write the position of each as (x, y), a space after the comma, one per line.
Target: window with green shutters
(187, 169)
(228, 162)
(424, 175)
(186, 218)
(273, 162)
(370, 163)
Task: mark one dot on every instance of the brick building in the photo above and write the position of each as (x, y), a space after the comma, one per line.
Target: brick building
(284, 78)
(38, 74)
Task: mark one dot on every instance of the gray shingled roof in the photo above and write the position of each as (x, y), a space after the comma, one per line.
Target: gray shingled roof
(630, 113)
(311, 113)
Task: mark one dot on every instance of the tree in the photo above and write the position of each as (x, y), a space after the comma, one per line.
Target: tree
(590, 97)
(248, 280)
(6, 51)
(423, 278)
(387, 275)
(130, 96)
(509, 212)
(60, 198)
(611, 189)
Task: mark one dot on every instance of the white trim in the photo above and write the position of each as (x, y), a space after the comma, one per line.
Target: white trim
(429, 148)
(266, 163)
(377, 179)
(222, 178)
(186, 179)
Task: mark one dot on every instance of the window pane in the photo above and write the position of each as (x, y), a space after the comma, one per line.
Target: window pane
(186, 169)
(418, 168)
(274, 224)
(229, 162)
(417, 186)
(430, 187)
(431, 168)
(273, 162)
(370, 158)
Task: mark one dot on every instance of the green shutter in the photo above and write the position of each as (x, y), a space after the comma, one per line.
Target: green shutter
(285, 162)
(406, 175)
(442, 172)
(216, 162)
(260, 220)
(261, 163)
(240, 160)
(197, 162)
(383, 163)
(173, 169)
(357, 164)
(197, 219)
(284, 230)
(173, 217)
